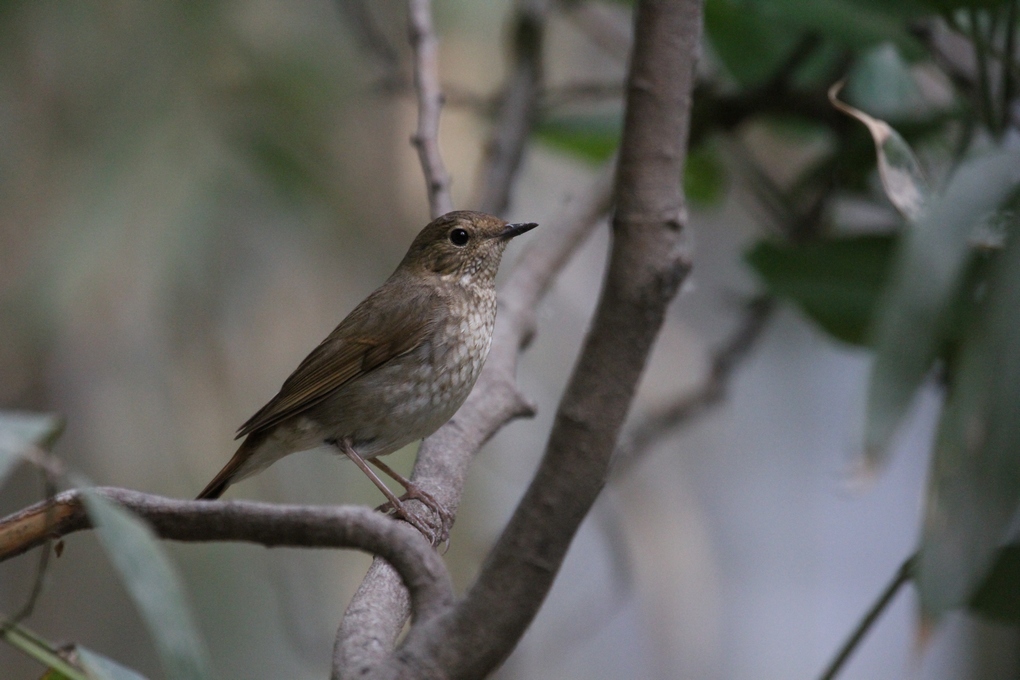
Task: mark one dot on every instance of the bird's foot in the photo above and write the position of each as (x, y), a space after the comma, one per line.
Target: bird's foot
(436, 535)
(432, 534)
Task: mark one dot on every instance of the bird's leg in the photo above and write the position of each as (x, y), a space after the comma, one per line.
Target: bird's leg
(398, 507)
(415, 491)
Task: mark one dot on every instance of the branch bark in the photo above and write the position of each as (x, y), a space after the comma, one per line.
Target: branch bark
(419, 567)
(647, 264)
(425, 47)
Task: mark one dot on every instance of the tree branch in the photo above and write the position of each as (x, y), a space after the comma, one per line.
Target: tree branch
(647, 264)
(420, 568)
(430, 101)
(517, 109)
(902, 575)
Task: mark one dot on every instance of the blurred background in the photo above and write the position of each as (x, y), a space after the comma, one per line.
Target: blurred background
(192, 195)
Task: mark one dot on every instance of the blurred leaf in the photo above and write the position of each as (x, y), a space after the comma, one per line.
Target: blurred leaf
(911, 322)
(20, 431)
(591, 138)
(836, 282)
(100, 667)
(154, 586)
(44, 652)
(750, 44)
(753, 38)
(998, 596)
(881, 83)
(902, 178)
(704, 176)
(974, 487)
(856, 24)
(817, 69)
(286, 167)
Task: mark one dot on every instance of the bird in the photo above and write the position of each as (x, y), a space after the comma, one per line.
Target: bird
(396, 368)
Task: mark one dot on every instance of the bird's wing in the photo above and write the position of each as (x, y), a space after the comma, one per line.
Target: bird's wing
(377, 331)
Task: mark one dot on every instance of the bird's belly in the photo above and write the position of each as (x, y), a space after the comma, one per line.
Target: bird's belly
(403, 401)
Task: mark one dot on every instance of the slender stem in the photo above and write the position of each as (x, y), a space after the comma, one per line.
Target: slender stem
(50, 490)
(712, 390)
(903, 574)
(425, 46)
(42, 651)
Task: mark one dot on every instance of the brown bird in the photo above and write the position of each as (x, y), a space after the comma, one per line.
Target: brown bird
(397, 368)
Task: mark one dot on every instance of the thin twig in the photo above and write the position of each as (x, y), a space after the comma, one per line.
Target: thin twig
(454, 95)
(903, 574)
(518, 107)
(425, 47)
(606, 26)
(711, 391)
(49, 490)
(552, 98)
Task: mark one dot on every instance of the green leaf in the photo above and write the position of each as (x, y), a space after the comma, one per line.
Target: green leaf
(974, 487)
(751, 44)
(704, 176)
(881, 82)
(911, 324)
(998, 595)
(754, 38)
(590, 138)
(52, 674)
(854, 23)
(20, 431)
(835, 282)
(154, 587)
(100, 667)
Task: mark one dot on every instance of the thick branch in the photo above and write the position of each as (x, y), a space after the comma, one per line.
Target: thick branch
(517, 109)
(421, 569)
(647, 264)
(430, 101)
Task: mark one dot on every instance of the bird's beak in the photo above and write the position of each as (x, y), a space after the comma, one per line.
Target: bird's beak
(512, 230)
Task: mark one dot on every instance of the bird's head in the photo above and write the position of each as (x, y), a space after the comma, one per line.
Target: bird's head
(462, 243)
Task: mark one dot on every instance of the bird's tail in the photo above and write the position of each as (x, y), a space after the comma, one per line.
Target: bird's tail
(234, 470)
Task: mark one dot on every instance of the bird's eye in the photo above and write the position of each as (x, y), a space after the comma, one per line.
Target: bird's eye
(459, 237)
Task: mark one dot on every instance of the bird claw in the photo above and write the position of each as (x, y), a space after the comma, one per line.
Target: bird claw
(435, 535)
